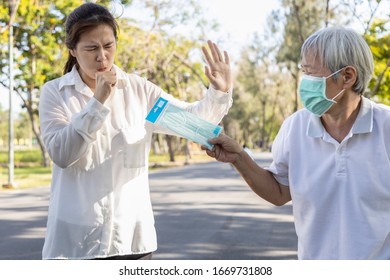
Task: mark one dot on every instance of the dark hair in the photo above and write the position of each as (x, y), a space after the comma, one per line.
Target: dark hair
(81, 20)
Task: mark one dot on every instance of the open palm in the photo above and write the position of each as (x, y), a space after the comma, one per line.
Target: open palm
(218, 70)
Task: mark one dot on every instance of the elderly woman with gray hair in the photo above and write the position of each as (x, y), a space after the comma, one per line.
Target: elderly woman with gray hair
(332, 158)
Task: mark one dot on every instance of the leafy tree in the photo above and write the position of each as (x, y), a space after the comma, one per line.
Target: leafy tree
(375, 29)
(301, 18)
(38, 37)
(264, 95)
(378, 37)
(268, 75)
(158, 51)
(23, 128)
(40, 51)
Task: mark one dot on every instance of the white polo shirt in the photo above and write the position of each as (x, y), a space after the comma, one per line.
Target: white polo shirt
(340, 191)
(100, 203)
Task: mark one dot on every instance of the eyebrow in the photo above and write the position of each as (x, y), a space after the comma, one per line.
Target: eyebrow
(91, 44)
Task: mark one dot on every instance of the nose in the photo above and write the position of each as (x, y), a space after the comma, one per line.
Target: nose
(101, 55)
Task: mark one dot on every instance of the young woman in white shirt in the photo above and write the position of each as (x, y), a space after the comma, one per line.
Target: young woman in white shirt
(93, 125)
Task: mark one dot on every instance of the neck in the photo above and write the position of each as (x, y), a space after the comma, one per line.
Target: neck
(340, 119)
(91, 83)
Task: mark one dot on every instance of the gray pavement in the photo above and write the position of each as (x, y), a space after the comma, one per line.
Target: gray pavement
(202, 212)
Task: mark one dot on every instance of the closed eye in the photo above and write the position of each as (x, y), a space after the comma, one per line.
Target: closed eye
(305, 69)
(109, 45)
(90, 48)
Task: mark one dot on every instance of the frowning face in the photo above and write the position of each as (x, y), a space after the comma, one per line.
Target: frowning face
(95, 52)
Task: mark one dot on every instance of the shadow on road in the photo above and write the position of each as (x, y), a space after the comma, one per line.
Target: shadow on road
(208, 212)
(23, 222)
(202, 212)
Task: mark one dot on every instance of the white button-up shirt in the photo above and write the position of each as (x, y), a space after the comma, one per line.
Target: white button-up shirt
(100, 203)
(340, 191)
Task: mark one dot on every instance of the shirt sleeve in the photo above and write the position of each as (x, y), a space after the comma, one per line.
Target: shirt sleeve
(214, 106)
(90, 120)
(280, 164)
(67, 140)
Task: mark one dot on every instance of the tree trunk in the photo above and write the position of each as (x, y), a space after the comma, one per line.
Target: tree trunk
(37, 133)
(170, 149)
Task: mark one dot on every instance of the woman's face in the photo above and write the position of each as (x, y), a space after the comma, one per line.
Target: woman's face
(311, 67)
(95, 53)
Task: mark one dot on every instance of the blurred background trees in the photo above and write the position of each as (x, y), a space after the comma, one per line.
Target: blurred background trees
(165, 48)
(266, 88)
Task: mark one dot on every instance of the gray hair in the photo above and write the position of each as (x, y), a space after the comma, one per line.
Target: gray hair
(338, 47)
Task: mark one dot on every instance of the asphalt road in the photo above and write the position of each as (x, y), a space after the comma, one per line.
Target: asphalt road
(202, 212)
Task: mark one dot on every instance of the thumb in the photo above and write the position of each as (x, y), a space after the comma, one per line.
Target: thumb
(216, 140)
(207, 72)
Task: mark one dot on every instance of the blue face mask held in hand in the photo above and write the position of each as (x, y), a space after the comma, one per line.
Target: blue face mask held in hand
(183, 123)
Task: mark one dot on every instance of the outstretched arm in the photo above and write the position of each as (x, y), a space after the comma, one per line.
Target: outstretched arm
(261, 181)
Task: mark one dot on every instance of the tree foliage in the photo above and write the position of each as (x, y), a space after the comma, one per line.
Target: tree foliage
(378, 38)
(40, 52)
(275, 56)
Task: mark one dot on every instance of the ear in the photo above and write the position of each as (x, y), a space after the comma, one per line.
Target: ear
(349, 77)
(72, 53)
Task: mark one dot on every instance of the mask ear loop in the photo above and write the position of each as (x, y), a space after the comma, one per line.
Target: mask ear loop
(342, 91)
(336, 72)
(337, 95)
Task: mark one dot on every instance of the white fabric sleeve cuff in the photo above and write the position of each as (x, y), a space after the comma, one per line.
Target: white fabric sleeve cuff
(90, 119)
(220, 97)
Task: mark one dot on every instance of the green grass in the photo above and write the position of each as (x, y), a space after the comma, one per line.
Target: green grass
(22, 156)
(195, 157)
(27, 177)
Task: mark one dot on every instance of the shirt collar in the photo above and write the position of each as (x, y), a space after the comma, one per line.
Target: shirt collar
(363, 122)
(73, 78)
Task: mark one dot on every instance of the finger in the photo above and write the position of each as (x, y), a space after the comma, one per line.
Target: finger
(207, 56)
(109, 79)
(210, 153)
(205, 148)
(227, 58)
(114, 79)
(208, 74)
(213, 50)
(218, 52)
(214, 141)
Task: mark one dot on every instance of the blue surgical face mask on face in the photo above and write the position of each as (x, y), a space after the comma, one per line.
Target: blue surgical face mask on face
(312, 91)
